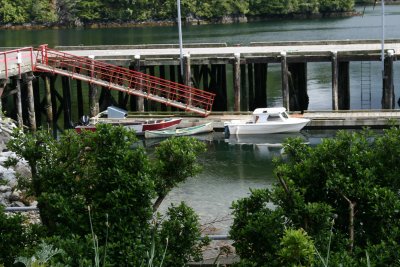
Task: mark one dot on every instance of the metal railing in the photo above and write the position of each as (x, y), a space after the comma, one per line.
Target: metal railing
(13, 60)
(124, 79)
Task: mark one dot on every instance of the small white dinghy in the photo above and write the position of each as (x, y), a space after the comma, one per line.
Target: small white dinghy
(266, 121)
(202, 128)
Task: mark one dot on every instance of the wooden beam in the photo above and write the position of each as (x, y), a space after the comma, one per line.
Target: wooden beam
(236, 82)
(335, 81)
(31, 105)
(388, 86)
(285, 81)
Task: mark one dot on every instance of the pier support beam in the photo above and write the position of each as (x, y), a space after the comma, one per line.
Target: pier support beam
(335, 81)
(30, 98)
(388, 86)
(298, 98)
(49, 108)
(18, 102)
(66, 88)
(187, 76)
(139, 99)
(93, 94)
(344, 85)
(285, 81)
(236, 82)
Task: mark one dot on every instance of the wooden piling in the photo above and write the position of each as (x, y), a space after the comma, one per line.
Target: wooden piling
(244, 93)
(236, 82)
(285, 81)
(335, 81)
(48, 107)
(66, 88)
(93, 94)
(18, 102)
(139, 99)
(79, 96)
(187, 74)
(388, 86)
(31, 106)
(37, 101)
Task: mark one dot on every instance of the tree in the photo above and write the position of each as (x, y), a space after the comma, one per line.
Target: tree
(106, 174)
(350, 181)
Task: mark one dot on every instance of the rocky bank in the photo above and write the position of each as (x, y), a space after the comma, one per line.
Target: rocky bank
(10, 194)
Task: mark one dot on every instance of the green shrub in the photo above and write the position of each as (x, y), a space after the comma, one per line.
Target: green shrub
(15, 237)
(118, 181)
(351, 180)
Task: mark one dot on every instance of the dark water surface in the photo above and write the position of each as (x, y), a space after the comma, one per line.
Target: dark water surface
(232, 166)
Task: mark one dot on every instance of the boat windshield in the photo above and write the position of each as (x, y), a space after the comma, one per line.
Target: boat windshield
(285, 115)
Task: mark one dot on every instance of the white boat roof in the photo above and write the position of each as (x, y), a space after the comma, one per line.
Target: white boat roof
(269, 110)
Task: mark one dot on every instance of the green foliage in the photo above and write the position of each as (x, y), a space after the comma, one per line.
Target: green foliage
(182, 230)
(351, 180)
(297, 248)
(42, 257)
(14, 237)
(102, 170)
(257, 228)
(72, 12)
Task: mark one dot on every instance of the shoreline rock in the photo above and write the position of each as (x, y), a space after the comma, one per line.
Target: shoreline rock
(10, 194)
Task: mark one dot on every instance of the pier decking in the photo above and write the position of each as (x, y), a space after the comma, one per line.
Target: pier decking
(205, 66)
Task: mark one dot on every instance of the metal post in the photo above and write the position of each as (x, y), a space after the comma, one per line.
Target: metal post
(383, 39)
(180, 34)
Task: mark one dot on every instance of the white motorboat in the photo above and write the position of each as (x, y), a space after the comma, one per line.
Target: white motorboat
(266, 121)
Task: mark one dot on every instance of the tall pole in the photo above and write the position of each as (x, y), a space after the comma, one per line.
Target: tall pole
(383, 39)
(180, 34)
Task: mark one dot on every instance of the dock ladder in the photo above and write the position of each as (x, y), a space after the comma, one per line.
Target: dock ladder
(365, 84)
(124, 80)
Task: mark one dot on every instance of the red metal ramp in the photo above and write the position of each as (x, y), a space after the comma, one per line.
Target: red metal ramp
(125, 80)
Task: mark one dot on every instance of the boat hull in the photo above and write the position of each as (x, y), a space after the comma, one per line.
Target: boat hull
(244, 127)
(137, 125)
(198, 129)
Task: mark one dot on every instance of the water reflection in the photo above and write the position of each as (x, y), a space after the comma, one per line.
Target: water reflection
(231, 166)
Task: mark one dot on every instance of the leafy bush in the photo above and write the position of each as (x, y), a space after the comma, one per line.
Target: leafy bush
(182, 230)
(102, 170)
(351, 180)
(15, 236)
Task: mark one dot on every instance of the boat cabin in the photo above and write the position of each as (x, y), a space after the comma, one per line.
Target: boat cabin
(263, 115)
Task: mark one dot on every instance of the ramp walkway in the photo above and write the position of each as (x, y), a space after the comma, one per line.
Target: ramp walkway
(16, 62)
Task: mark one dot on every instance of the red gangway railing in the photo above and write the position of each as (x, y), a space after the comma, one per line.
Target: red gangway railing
(126, 80)
(16, 61)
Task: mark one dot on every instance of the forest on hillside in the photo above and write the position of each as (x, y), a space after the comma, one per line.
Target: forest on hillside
(80, 12)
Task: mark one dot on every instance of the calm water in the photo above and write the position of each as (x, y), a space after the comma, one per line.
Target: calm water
(233, 166)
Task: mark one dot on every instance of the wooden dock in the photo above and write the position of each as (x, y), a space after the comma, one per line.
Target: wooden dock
(376, 119)
(240, 71)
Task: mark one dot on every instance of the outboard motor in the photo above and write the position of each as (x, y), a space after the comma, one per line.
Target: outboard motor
(226, 131)
(85, 120)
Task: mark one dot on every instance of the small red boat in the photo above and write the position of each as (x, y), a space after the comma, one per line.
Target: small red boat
(116, 116)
